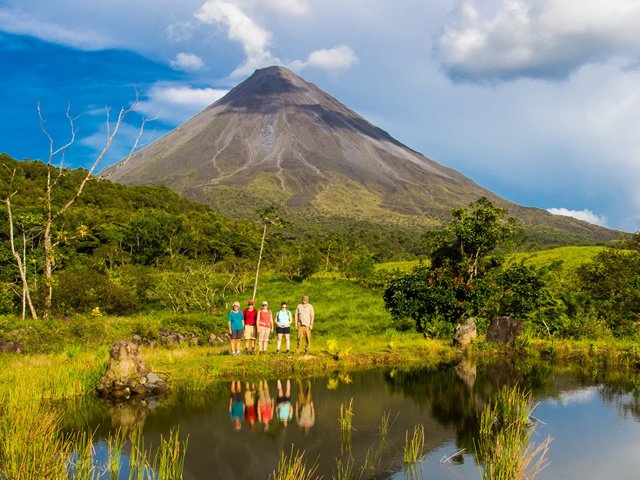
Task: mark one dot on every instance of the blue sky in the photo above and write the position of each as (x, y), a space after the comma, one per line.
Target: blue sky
(537, 100)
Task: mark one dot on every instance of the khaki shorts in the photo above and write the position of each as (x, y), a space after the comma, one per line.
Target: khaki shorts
(249, 332)
(263, 334)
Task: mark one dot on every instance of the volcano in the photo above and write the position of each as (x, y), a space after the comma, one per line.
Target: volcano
(276, 139)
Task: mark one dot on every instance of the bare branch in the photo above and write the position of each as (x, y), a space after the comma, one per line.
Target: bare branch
(133, 149)
(123, 113)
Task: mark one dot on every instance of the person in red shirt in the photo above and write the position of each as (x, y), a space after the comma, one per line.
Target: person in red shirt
(250, 327)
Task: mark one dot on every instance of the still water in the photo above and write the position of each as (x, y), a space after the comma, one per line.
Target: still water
(239, 429)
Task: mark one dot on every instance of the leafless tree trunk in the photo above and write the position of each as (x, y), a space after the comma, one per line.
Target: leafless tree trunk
(21, 262)
(255, 285)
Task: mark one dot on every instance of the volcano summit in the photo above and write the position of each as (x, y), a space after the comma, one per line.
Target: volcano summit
(276, 139)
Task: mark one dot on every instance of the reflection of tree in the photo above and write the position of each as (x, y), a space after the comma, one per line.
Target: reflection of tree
(452, 404)
(455, 398)
(626, 398)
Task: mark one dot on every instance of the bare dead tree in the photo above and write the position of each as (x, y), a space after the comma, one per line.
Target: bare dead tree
(50, 215)
(20, 261)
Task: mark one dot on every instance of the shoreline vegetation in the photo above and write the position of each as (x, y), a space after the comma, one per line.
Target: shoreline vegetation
(31, 385)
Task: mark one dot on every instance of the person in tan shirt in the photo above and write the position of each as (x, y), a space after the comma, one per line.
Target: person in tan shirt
(304, 323)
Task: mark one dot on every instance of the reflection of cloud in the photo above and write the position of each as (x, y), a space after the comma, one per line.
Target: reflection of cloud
(537, 38)
(254, 39)
(583, 395)
(21, 24)
(586, 215)
(176, 104)
(186, 61)
(338, 58)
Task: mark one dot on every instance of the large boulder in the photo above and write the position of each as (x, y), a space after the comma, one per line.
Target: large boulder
(126, 360)
(128, 374)
(503, 330)
(465, 333)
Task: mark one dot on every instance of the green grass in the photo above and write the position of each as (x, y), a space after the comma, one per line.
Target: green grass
(569, 257)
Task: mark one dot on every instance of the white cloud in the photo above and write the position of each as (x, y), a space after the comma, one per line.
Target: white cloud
(586, 215)
(180, 31)
(187, 62)
(176, 104)
(289, 7)
(254, 39)
(537, 38)
(78, 37)
(338, 58)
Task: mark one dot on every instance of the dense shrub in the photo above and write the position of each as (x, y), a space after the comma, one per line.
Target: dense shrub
(82, 292)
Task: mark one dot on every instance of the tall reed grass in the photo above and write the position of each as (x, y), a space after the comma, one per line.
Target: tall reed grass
(294, 467)
(504, 447)
(346, 416)
(414, 446)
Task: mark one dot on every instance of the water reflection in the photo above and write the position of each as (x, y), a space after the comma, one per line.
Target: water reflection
(305, 412)
(283, 406)
(239, 429)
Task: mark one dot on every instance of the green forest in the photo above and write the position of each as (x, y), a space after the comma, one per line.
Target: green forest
(124, 251)
(129, 249)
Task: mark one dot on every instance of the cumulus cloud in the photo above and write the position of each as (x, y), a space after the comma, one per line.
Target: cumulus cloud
(187, 61)
(537, 38)
(80, 37)
(586, 215)
(254, 38)
(175, 104)
(338, 58)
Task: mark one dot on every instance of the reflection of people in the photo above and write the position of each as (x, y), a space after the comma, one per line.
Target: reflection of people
(283, 407)
(250, 314)
(236, 405)
(250, 414)
(265, 327)
(305, 413)
(236, 325)
(265, 404)
(283, 326)
(304, 323)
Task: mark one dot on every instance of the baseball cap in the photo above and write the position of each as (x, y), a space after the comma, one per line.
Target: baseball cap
(250, 302)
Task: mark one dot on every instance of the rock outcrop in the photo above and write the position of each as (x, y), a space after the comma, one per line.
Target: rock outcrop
(465, 333)
(10, 347)
(503, 330)
(128, 374)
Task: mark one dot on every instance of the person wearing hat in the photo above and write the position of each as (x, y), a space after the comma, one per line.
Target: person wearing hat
(265, 327)
(236, 326)
(304, 323)
(250, 315)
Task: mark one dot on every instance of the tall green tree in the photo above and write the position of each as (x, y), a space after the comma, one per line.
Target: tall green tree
(464, 275)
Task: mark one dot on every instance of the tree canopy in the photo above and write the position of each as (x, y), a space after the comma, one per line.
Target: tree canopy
(466, 274)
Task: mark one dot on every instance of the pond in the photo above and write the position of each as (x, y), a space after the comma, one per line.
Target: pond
(239, 429)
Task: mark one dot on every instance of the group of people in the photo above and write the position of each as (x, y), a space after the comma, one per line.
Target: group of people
(252, 324)
(259, 406)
